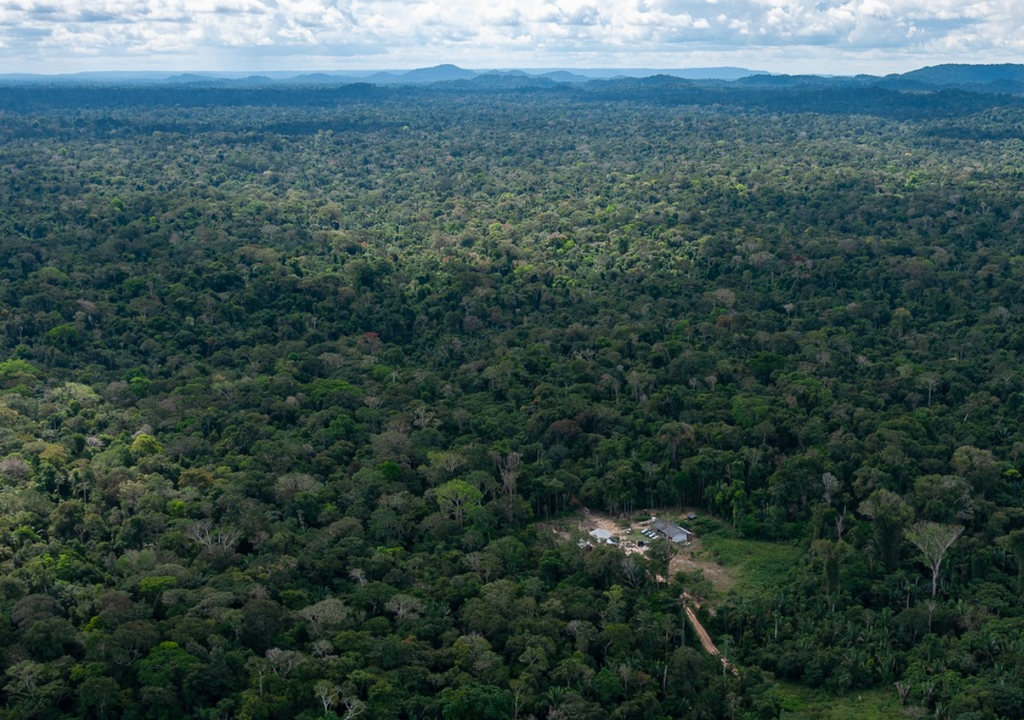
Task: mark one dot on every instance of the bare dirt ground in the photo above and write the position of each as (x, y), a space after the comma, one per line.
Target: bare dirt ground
(695, 557)
(687, 558)
(590, 520)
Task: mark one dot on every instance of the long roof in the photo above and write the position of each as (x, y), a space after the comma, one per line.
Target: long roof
(670, 529)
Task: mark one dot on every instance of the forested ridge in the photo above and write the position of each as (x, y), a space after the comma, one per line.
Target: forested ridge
(290, 393)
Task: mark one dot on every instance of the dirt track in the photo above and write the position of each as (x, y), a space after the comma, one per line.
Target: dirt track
(687, 559)
(705, 639)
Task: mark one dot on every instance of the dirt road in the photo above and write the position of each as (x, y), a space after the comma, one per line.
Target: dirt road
(705, 639)
(687, 559)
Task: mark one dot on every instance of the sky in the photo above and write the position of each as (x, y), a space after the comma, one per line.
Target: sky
(841, 37)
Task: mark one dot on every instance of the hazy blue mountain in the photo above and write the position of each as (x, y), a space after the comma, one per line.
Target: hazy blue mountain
(492, 81)
(714, 73)
(986, 79)
(383, 78)
(788, 81)
(958, 74)
(564, 76)
(90, 78)
(438, 73)
(317, 79)
(192, 78)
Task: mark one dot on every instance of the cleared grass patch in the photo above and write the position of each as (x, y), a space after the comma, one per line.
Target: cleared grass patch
(759, 565)
(802, 704)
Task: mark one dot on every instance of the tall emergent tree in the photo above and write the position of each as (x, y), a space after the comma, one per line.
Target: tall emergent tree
(934, 540)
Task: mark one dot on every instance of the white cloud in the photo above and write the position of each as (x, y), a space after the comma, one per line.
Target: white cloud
(783, 35)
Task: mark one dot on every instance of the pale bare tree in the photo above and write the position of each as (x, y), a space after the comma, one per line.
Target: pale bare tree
(15, 469)
(582, 632)
(327, 694)
(904, 690)
(290, 485)
(442, 464)
(929, 381)
(204, 533)
(259, 669)
(519, 690)
(934, 540)
(404, 607)
(423, 417)
(638, 382)
(722, 296)
(322, 648)
(509, 470)
(633, 571)
(830, 484)
(284, 661)
(353, 708)
(326, 616)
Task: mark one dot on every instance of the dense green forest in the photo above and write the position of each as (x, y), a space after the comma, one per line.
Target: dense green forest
(293, 384)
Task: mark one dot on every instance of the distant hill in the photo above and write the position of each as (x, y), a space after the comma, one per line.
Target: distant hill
(517, 81)
(218, 81)
(446, 73)
(954, 74)
(191, 78)
(1004, 79)
(790, 81)
(712, 73)
(383, 78)
(438, 73)
(563, 76)
(318, 79)
(715, 73)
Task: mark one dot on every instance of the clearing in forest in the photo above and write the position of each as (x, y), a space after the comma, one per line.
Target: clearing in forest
(688, 558)
(725, 562)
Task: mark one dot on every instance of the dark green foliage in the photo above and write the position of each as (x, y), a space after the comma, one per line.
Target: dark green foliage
(289, 379)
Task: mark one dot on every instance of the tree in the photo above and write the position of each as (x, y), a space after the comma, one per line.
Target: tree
(1015, 542)
(325, 617)
(934, 540)
(831, 556)
(674, 434)
(508, 469)
(34, 689)
(327, 693)
(475, 702)
(889, 514)
(161, 674)
(456, 498)
(99, 697)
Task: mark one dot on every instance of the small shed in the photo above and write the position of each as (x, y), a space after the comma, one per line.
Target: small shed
(671, 531)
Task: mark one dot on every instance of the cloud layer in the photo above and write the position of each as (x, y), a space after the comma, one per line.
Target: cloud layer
(784, 35)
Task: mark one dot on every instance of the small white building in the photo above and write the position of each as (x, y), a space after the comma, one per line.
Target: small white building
(602, 536)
